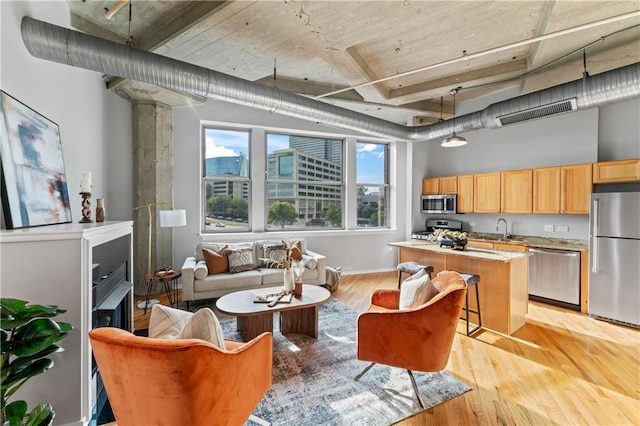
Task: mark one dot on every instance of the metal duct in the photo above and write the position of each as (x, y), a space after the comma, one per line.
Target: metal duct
(62, 45)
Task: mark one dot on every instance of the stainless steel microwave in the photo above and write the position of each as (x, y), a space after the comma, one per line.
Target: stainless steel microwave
(443, 203)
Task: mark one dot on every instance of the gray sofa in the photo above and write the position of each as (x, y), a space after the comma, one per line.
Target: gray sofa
(197, 284)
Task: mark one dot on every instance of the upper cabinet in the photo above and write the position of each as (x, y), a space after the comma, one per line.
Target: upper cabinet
(430, 186)
(546, 190)
(449, 185)
(616, 171)
(486, 197)
(444, 185)
(465, 194)
(516, 188)
(576, 187)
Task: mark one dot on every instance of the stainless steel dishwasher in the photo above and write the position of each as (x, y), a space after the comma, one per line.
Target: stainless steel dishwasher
(554, 277)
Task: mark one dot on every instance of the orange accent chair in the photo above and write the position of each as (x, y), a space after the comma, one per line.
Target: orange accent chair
(414, 339)
(183, 381)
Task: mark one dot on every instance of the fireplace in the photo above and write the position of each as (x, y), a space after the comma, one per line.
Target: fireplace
(112, 293)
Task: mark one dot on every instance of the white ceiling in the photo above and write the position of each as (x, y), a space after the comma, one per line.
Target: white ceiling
(373, 48)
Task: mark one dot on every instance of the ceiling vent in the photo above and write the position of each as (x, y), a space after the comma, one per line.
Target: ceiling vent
(537, 112)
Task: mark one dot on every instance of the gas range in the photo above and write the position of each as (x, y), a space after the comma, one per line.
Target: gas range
(433, 224)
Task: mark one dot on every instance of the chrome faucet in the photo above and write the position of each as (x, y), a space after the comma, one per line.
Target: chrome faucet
(505, 234)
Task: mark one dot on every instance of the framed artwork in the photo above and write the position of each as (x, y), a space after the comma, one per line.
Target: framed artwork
(34, 182)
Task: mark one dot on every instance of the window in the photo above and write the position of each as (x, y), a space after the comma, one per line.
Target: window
(291, 202)
(225, 181)
(373, 185)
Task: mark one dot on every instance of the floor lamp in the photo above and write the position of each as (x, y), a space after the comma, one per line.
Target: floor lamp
(168, 219)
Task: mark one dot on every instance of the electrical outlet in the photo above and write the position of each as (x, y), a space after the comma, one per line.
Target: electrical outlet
(472, 224)
(562, 228)
(548, 228)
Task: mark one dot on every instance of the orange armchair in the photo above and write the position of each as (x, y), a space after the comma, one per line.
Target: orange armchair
(415, 339)
(181, 382)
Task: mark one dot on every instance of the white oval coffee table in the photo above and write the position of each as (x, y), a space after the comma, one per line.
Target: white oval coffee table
(300, 316)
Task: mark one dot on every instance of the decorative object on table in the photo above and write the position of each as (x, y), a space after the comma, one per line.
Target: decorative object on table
(298, 269)
(34, 182)
(273, 298)
(29, 335)
(86, 207)
(310, 385)
(453, 239)
(100, 210)
(283, 256)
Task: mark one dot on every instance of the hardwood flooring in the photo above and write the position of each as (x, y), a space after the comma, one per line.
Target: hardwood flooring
(561, 368)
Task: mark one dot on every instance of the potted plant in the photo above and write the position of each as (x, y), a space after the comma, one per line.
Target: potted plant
(28, 337)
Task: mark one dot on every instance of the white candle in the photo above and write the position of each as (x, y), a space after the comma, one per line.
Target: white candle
(85, 184)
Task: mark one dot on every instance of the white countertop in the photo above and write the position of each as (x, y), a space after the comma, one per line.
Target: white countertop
(475, 252)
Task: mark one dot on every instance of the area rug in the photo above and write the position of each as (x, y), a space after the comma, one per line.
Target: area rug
(313, 379)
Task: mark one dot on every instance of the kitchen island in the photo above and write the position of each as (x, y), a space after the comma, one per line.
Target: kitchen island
(503, 284)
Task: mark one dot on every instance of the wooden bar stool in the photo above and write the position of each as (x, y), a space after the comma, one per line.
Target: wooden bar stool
(412, 268)
(471, 280)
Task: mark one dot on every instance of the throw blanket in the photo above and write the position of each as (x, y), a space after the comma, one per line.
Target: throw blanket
(333, 278)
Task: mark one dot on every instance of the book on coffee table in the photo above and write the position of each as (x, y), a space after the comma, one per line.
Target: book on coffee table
(274, 297)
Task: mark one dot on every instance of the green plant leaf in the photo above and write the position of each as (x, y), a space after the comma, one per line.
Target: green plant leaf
(33, 369)
(35, 336)
(15, 411)
(15, 312)
(41, 415)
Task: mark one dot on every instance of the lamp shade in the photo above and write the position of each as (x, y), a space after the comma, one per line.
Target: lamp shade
(453, 140)
(173, 218)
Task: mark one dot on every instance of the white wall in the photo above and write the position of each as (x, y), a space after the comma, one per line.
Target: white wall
(610, 132)
(95, 133)
(355, 250)
(94, 123)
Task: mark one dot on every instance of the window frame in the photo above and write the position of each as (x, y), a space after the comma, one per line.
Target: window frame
(313, 164)
(204, 180)
(386, 185)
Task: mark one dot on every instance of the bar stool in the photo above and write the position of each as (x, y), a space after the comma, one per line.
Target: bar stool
(471, 280)
(412, 268)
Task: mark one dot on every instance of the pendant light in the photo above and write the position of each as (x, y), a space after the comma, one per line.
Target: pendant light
(454, 140)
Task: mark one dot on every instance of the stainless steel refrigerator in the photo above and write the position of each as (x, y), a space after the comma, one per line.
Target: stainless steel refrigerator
(614, 258)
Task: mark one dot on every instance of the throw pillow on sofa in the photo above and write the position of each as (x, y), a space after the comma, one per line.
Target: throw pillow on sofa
(274, 253)
(201, 271)
(240, 260)
(217, 261)
(170, 323)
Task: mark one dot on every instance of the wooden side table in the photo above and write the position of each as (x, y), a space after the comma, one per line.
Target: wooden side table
(169, 280)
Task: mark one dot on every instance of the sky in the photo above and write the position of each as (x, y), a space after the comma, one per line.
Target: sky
(228, 143)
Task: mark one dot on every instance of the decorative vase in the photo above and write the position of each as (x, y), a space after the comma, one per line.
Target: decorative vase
(289, 279)
(100, 210)
(297, 291)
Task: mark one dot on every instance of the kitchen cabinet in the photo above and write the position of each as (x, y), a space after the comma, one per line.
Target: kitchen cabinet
(503, 287)
(575, 188)
(546, 190)
(465, 194)
(486, 197)
(516, 188)
(449, 185)
(616, 171)
(430, 186)
(443, 185)
(497, 245)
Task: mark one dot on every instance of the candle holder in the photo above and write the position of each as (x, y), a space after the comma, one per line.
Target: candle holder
(86, 207)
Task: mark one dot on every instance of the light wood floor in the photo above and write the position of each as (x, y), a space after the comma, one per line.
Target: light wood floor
(561, 368)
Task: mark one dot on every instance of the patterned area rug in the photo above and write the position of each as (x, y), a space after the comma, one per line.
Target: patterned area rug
(313, 379)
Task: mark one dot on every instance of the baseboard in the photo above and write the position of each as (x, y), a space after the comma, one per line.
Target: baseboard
(346, 271)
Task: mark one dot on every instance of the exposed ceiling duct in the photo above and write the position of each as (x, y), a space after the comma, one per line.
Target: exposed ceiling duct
(62, 45)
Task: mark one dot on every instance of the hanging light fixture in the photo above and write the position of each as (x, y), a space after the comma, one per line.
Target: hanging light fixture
(454, 140)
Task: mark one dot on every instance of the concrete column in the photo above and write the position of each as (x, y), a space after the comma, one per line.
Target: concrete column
(152, 184)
